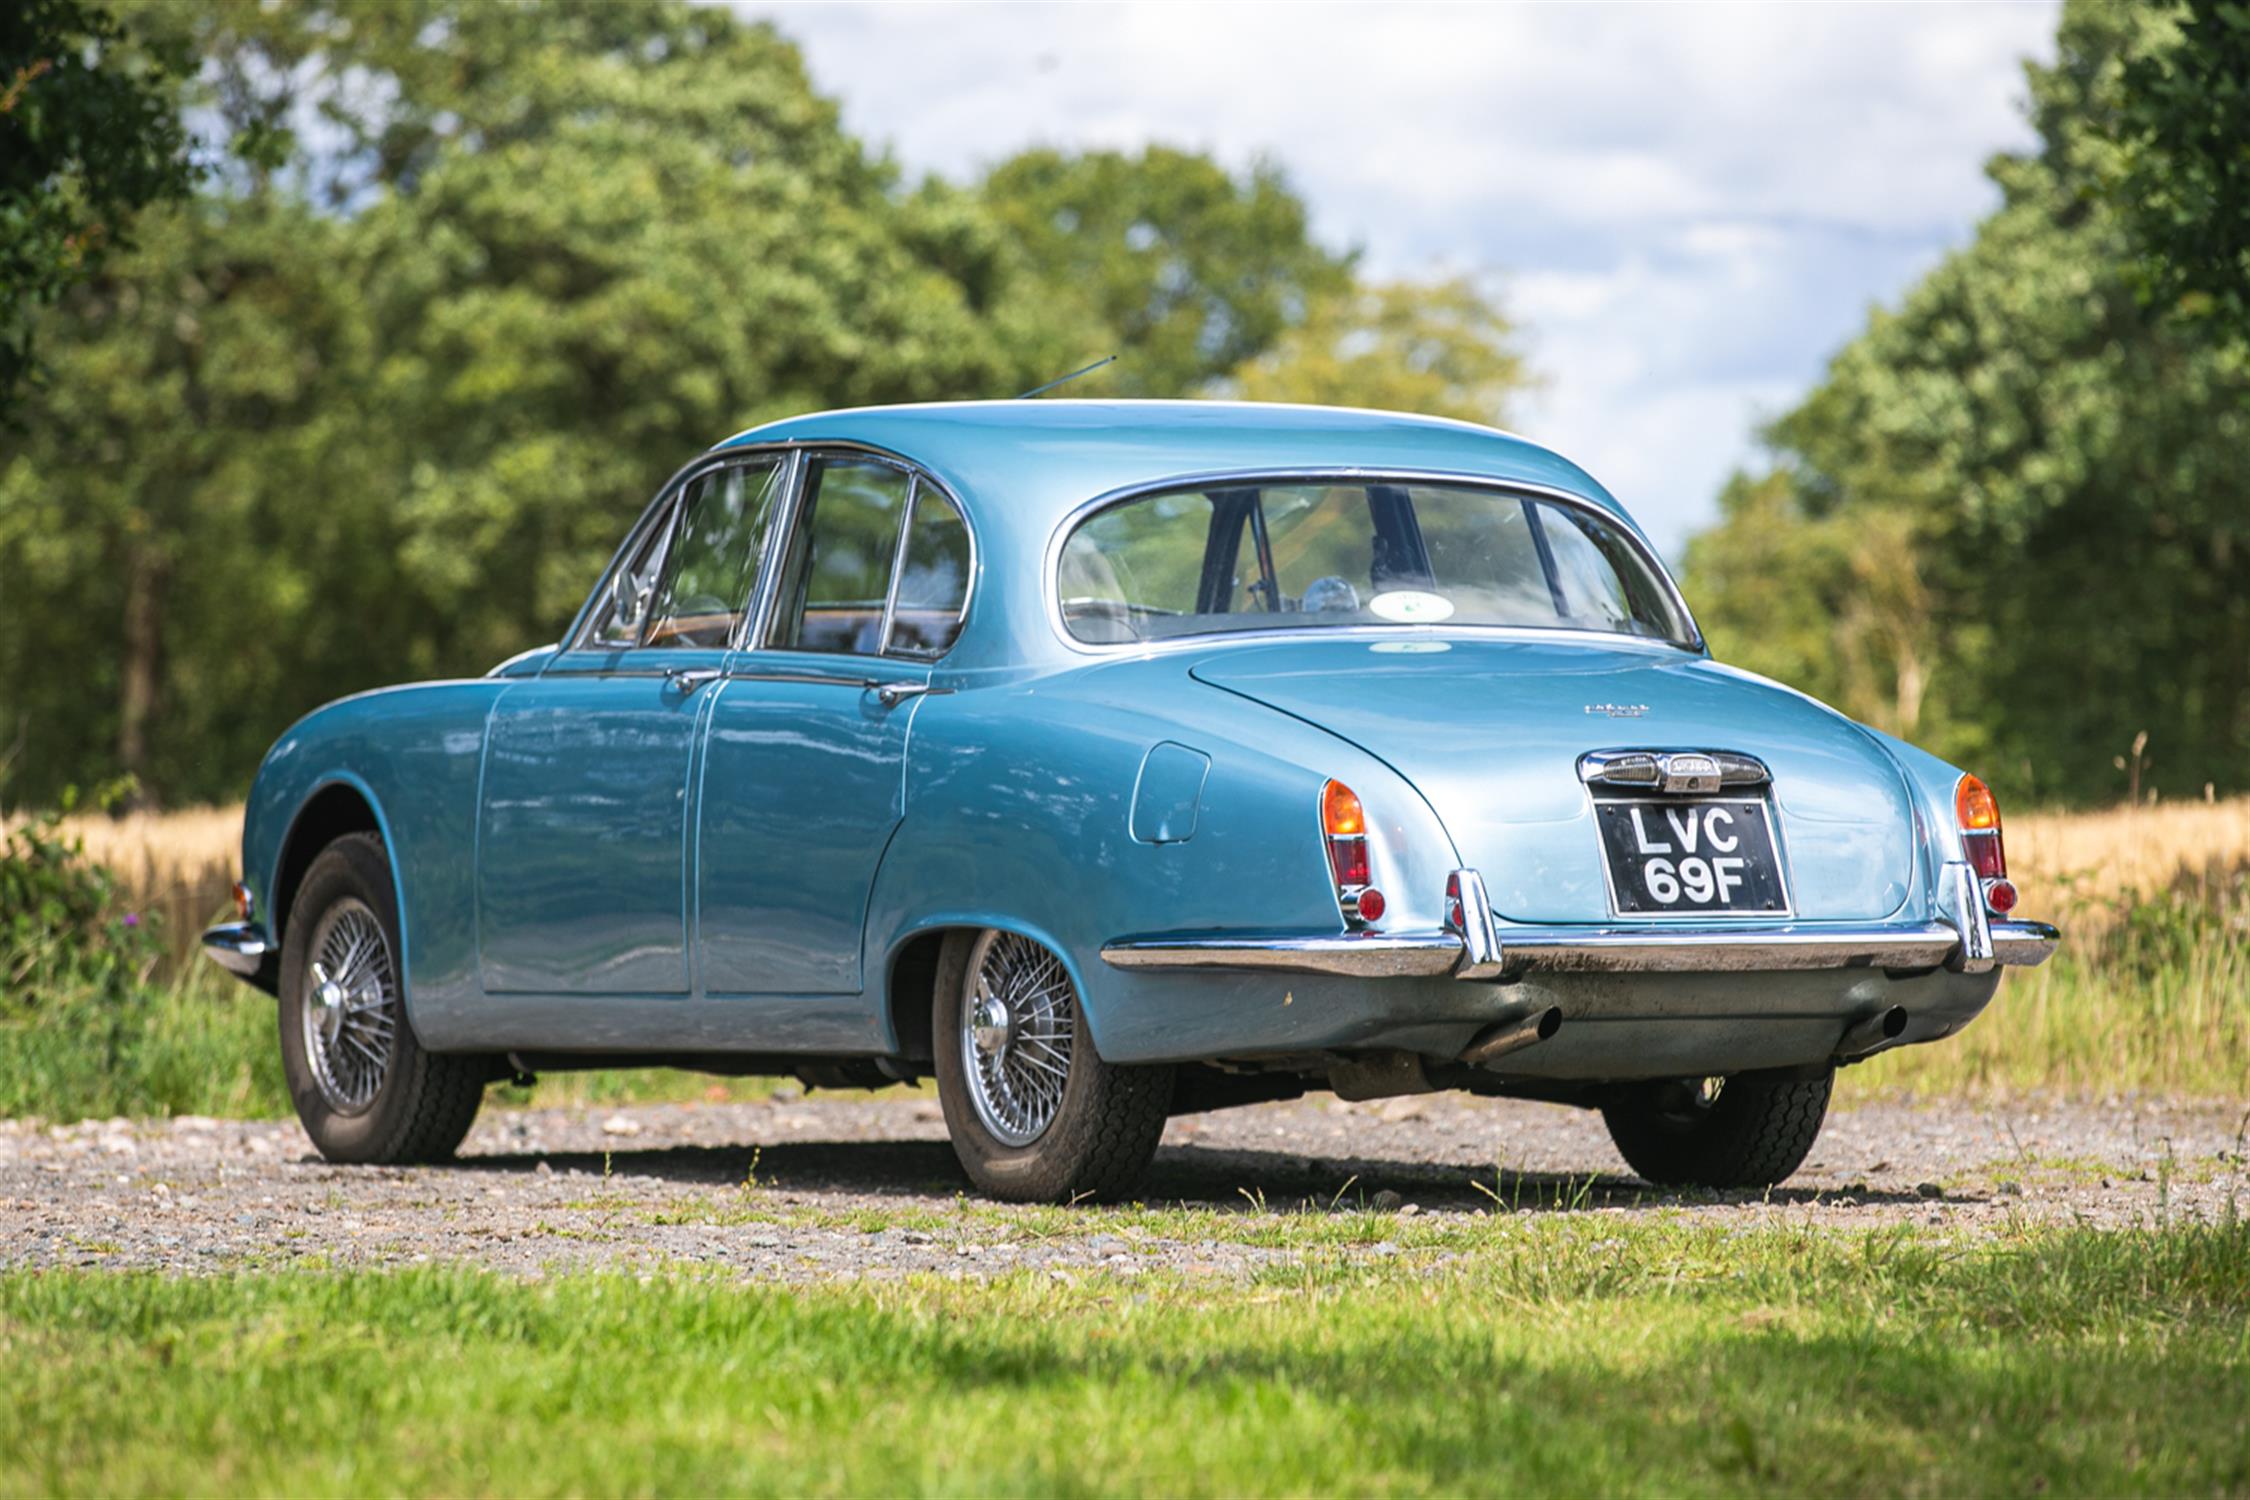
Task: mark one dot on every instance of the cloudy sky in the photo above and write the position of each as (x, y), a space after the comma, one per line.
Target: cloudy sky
(1688, 206)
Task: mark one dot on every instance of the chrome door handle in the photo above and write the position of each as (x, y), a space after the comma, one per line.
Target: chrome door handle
(892, 694)
(686, 680)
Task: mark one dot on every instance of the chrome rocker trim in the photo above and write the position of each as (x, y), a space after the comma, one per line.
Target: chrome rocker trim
(237, 947)
(1501, 954)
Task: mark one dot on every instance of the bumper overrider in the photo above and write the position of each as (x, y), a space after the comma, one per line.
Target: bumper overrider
(1963, 938)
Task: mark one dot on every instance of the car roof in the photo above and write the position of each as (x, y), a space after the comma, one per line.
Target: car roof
(1027, 464)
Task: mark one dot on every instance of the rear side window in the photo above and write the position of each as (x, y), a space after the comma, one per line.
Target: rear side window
(839, 574)
(933, 583)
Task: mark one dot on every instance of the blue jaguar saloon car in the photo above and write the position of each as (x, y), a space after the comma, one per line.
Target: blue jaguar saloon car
(1107, 761)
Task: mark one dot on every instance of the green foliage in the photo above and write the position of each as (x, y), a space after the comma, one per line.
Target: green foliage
(87, 136)
(2014, 521)
(2184, 124)
(63, 923)
(1164, 259)
(1444, 349)
(468, 281)
(1564, 1353)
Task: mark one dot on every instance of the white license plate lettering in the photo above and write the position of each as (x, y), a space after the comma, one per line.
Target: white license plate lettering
(1681, 858)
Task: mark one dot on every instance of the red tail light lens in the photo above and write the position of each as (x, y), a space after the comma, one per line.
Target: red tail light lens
(1371, 905)
(1979, 817)
(1343, 824)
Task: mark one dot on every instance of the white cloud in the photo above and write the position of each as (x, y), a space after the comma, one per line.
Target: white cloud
(1690, 206)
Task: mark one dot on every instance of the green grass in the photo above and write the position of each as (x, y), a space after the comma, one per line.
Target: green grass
(203, 1043)
(1570, 1354)
(2152, 997)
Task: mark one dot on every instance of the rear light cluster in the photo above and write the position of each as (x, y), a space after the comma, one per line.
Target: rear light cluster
(1979, 818)
(1343, 823)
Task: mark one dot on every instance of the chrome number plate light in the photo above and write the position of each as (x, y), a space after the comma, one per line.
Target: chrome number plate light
(1679, 773)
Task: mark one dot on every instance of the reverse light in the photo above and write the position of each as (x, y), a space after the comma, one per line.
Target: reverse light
(1343, 825)
(1979, 818)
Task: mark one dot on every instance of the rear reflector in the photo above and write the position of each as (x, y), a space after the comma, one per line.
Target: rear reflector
(1371, 905)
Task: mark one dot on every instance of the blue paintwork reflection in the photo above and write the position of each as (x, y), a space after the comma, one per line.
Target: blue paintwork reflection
(803, 782)
(582, 842)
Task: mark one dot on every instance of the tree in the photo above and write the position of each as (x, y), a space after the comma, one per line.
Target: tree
(87, 136)
(2015, 516)
(382, 409)
(1163, 258)
(2184, 128)
(1442, 349)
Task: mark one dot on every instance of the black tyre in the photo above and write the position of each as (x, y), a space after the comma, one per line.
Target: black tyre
(1718, 1133)
(1035, 1115)
(362, 1084)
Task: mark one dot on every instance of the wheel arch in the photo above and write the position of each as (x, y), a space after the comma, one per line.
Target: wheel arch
(340, 804)
(910, 970)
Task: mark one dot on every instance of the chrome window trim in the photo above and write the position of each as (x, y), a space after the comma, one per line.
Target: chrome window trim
(664, 511)
(1050, 583)
(796, 454)
(898, 563)
(917, 477)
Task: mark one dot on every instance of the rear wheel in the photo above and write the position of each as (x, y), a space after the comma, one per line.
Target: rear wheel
(1718, 1132)
(1035, 1115)
(363, 1086)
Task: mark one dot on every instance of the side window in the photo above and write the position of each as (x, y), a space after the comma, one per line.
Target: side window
(839, 571)
(934, 583)
(712, 569)
(620, 616)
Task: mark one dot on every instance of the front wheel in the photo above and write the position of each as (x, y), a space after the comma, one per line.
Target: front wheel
(1035, 1115)
(362, 1084)
(1718, 1132)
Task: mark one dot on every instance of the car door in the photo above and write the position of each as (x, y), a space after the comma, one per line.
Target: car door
(582, 839)
(805, 762)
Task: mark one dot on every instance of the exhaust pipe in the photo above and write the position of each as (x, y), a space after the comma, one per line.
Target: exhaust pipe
(1503, 1037)
(1871, 1033)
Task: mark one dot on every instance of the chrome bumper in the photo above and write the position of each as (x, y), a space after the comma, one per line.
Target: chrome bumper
(238, 947)
(1587, 950)
(1490, 952)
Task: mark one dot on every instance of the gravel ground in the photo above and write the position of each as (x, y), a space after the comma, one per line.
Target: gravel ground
(837, 1187)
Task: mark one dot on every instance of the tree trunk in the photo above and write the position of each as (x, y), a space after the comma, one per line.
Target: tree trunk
(146, 574)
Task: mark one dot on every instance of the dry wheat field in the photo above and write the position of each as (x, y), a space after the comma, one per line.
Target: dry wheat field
(2151, 991)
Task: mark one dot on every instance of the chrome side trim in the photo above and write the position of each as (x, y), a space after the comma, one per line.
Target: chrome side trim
(237, 947)
(1585, 950)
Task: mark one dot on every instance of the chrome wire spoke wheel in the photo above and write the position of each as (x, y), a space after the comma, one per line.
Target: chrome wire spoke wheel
(1019, 1020)
(350, 1007)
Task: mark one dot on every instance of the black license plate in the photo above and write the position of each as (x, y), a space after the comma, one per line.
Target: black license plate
(1688, 856)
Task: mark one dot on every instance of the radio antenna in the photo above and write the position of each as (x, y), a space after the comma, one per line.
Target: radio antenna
(1041, 390)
